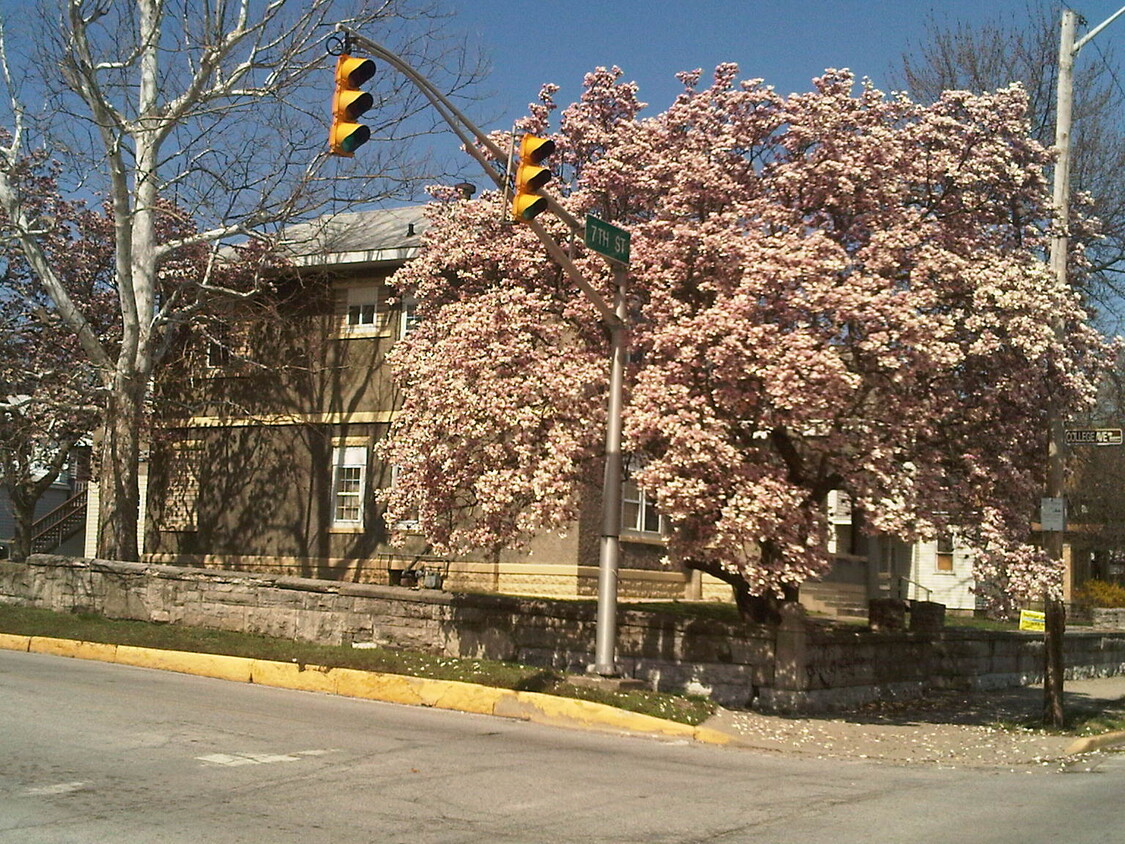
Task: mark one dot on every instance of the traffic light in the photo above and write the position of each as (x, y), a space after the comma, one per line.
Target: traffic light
(530, 177)
(348, 103)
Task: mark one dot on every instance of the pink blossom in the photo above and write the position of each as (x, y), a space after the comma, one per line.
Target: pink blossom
(834, 290)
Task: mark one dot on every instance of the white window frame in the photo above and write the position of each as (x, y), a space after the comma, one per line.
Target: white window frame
(223, 344)
(349, 465)
(364, 311)
(408, 314)
(218, 355)
(945, 540)
(633, 496)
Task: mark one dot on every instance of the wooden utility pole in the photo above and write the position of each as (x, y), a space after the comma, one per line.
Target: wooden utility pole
(1054, 609)
(1054, 626)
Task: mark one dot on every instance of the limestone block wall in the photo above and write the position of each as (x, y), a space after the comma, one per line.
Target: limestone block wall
(670, 654)
(1104, 617)
(797, 665)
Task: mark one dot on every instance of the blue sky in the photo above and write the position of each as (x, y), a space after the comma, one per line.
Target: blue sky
(786, 42)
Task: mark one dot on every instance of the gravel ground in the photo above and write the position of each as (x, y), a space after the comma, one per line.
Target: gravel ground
(983, 729)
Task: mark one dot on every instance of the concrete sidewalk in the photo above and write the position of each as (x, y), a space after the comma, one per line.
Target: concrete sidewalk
(978, 729)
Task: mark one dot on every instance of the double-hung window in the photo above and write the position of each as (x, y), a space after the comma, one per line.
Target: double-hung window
(639, 514)
(409, 315)
(360, 309)
(349, 486)
(943, 557)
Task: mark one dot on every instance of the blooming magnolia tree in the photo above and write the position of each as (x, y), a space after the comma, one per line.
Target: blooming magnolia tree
(838, 290)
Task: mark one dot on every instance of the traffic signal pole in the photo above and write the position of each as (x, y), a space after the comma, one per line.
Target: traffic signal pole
(605, 662)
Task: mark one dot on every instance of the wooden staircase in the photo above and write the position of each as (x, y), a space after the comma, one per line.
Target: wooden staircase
(55, 527)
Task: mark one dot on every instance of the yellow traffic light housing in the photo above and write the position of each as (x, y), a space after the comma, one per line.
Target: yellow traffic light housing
(348, 103)
(530, 177)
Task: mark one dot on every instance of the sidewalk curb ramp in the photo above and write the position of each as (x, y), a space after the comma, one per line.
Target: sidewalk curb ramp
(390, 688)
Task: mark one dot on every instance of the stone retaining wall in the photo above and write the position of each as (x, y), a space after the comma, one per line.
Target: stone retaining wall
(669, 653)
(1108, 617)
(795, 666)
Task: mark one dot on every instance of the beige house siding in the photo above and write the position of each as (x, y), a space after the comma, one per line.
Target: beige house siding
(263, 423)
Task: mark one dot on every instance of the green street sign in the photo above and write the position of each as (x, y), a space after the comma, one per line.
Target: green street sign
(607, 239)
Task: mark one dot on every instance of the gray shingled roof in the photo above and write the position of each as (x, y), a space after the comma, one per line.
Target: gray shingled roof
(357, 237)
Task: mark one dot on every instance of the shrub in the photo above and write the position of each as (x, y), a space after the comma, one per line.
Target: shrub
(1099, 593)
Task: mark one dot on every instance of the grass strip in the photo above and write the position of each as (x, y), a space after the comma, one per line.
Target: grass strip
(27, 621)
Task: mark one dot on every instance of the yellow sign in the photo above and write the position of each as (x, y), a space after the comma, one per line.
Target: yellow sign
(1031, 620)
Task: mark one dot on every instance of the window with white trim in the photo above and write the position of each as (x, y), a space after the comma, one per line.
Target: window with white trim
(218, 354)
(943, 553)
(223, 344)
(408, 316)
(349, 485)
(638, 512)
(361, 309)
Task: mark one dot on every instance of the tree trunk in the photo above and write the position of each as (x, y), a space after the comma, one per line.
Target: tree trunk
(23, 516)
(119, 494)
(755, 609)
(1054, 627)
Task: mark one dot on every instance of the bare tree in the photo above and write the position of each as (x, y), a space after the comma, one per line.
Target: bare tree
(214, 110)
(1024, 48)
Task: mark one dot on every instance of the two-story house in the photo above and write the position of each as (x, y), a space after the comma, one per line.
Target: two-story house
(262, 458)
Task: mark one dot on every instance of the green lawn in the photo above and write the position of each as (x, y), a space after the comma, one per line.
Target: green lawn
(94, 628)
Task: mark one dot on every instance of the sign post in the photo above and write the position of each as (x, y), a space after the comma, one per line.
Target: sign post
(611, 242)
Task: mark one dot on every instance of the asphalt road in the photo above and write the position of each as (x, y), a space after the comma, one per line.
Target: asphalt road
(91, 752)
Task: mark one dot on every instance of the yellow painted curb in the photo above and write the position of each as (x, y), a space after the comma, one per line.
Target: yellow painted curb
(98, 651)
(389, 688)
(568, 712)
(1085, 745)
(462, 697)
(13, 642)
(708, 735)
(218, 666)
(292, 675)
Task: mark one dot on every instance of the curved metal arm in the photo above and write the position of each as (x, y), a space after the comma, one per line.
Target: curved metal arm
(457, 121)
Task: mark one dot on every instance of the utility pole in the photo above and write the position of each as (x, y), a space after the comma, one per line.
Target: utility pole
(1054, 609)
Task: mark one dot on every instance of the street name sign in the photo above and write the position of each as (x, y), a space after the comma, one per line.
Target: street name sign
(607, 239)
(1093, 436)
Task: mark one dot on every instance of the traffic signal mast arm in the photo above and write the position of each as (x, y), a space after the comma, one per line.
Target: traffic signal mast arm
(457, 121)
(614, 319)
(470, 136)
